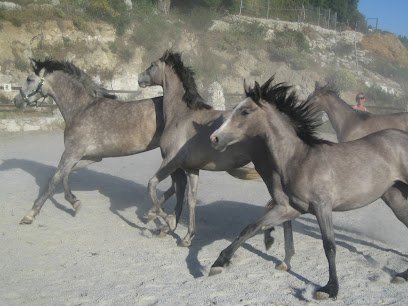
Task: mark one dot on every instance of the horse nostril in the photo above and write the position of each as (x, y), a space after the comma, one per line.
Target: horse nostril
(214, 139)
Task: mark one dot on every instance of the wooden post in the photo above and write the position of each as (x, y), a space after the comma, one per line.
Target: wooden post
(355, 51)
(328, 21)
(267, 12)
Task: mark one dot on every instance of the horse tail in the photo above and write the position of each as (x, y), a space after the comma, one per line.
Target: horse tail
(244, 173)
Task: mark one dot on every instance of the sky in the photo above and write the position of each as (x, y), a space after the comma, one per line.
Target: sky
(391, 14)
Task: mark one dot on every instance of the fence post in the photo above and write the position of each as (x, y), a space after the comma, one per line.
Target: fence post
(328, 21)
(267, 12)
(335, 21)
(318, 16)
(355, 50)
(240, 8)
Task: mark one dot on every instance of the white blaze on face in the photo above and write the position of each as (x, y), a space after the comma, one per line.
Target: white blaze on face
(222, 127)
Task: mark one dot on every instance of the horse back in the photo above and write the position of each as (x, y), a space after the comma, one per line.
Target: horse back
(375, 123)
(118, 127)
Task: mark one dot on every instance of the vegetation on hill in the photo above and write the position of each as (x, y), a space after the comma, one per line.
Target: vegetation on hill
(214, 53)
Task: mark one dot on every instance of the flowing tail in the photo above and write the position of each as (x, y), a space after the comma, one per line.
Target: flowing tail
(245, 173)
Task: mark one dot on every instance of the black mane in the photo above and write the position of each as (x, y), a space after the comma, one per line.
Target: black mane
(362, 114)
(52, 65)
(186, 76)
(303, 116)
(329, 89)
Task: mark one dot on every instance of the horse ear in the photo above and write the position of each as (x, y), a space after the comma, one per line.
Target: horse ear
(266, 85)
(257, 91)
(33, 64)
(246, 87)
(41, 74)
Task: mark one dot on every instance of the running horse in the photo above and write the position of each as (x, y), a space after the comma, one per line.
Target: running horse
(317, 176)
(185, 142)
(97, 125)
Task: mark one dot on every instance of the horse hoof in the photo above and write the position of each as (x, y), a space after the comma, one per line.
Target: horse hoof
(282, 267)
(76, 206)
(184, 243)
(398, 280)
(268, 242)
(319, 295)
(150, 217)
(215, 271)
(171, 222)
(160, 232)
(27, 220)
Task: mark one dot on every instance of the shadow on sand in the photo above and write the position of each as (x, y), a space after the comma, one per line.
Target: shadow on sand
(215, 221)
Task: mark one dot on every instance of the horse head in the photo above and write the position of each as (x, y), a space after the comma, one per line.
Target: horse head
(32, 89)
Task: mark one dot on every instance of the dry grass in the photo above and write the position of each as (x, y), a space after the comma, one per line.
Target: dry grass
(386, 46)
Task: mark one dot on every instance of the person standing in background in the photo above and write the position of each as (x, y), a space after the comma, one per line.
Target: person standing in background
(360, 100)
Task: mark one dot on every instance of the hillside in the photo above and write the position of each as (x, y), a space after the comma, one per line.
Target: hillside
(225, 50)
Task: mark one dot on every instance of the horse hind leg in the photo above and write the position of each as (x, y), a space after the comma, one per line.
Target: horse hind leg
(396, 199)
(192, 180)
(275, 216)
(178, 187)
(166, 169)
(64, 167)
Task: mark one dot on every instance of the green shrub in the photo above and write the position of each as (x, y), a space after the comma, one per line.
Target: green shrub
(376, 96)
(291, 47)
(290, 39)
(155, 33)
(199, 18)
(389, 69)
(342, 79)
(342, 48)
(241, 36)
(21, 64)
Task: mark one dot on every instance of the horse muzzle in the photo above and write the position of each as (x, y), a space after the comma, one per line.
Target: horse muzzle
(217, 144)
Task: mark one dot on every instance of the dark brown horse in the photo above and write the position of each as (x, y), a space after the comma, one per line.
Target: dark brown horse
(317, 176)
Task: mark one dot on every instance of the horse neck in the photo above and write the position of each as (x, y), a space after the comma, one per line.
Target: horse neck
(282, 141)
(173, 92)
(340, 114)
(69, 95)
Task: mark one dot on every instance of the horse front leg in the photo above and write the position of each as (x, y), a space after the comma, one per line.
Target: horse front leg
(192, 184)
(324, 218)
(164, 171)
(277, 215)
(64, 168)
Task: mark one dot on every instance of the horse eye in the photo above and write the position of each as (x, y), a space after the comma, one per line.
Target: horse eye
(244, 112)
(29, 79)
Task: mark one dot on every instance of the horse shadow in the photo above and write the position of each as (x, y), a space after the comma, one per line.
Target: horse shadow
(225, 220)
(122, 193)
(221, 220)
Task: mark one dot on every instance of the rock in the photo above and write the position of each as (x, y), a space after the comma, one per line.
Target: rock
(216, 96)
(9, 5)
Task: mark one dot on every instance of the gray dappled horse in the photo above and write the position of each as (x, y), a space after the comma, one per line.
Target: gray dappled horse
(185, 142)
(316, 176)
(96, 126)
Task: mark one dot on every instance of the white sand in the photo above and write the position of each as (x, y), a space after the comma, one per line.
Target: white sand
(103, 256)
